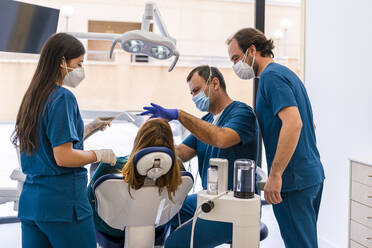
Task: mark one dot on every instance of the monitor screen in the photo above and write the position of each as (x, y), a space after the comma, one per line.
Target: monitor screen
(24, 28)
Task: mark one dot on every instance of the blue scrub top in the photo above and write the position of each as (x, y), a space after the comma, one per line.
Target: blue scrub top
(51, 192)
(239, 117)
(279, 87)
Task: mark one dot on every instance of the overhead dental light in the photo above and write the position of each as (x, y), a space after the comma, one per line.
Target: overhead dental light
(145, 42)
(159, 46)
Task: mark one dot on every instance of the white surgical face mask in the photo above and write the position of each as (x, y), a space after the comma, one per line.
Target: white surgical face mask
(243, 70)
(74, 77)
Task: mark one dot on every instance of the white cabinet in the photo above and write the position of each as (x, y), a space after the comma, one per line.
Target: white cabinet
(360, 222)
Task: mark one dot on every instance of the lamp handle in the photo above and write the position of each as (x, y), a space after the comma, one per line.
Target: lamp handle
(177, 55)
(113, 47)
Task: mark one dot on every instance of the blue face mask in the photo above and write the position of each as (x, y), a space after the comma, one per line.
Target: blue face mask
(201, 101)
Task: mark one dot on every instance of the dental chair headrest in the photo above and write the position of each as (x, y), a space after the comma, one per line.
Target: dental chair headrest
(153, 162)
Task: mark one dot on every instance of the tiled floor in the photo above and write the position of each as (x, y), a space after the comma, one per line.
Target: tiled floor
(10, 234)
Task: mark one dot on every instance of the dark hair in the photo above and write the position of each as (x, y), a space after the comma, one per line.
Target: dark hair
(47, 73)
(251, 36)
(204, 71)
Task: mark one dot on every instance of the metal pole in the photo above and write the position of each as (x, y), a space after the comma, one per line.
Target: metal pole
(260, 25)
(95, 36)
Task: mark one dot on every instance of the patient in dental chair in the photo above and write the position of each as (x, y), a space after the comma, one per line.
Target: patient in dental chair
(154, 132)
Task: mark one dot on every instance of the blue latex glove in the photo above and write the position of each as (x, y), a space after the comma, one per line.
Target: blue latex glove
(157, 111)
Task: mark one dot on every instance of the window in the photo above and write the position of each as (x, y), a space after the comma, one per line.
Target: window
(284, 23)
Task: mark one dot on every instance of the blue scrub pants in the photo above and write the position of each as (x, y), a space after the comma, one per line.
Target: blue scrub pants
(297, 215)
(207, 234)
(42, 234)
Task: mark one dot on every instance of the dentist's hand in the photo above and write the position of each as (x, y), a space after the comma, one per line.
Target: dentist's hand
(106, 156)
(157, 111)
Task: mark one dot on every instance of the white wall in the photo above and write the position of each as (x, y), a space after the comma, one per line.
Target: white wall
(338, 79)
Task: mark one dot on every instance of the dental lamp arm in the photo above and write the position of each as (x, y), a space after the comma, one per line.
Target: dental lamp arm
(160, 23)
(152, 12)
(147, 17)
(95, 36)
(98, 36)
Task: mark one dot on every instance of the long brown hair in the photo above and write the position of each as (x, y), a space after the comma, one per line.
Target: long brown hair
(47, 73)
(154, 132)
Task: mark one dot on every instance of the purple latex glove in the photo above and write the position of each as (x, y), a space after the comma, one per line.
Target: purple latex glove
(157, 111)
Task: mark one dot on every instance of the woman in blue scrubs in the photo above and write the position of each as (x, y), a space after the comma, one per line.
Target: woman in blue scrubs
(53, 206)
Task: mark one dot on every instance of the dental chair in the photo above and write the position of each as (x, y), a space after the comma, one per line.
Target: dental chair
(260, 185)
(138, 213)
(11, 194)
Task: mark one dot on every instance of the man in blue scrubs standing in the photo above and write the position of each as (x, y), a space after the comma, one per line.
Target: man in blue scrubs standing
(296, 175)
(229, 130)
